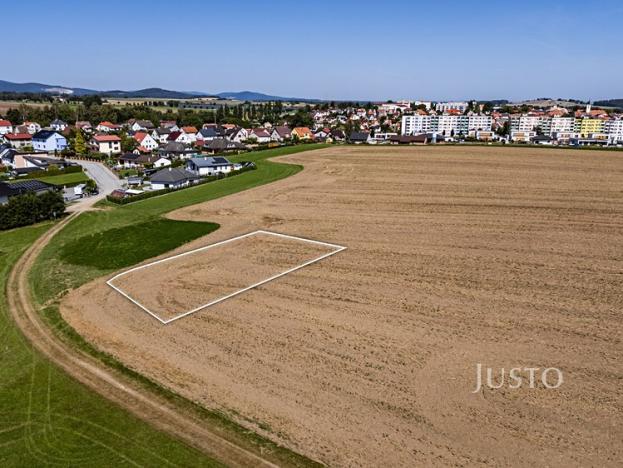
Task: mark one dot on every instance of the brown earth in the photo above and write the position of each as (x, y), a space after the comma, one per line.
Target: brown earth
(190, 281)
(456, 256)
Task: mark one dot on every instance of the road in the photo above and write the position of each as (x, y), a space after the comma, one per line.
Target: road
(106, 181)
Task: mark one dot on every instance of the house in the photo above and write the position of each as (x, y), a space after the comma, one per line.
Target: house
(281, 133)
(158, 161)
(208, 166)
(84, 125)
(138, 125)
(49, 141)
(207, 134)
(23, 187)
(170, 124)
(172, 178)
(322, 134)
(31, 127)
(359, 138)
(58, 125)
(260, 135)
(337, 135)
(107, 127)
(128, 160)
(18, 140)
(145, 140)
(302, 133)
(5, 127)
(106, 144)
(222, 145)
(190, 134)
(175, 150)
(237, 134)
(161, 134)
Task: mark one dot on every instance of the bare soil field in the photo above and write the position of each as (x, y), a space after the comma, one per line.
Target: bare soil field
(179, 284)
(508, 257)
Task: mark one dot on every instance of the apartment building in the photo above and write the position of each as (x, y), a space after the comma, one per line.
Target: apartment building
(460, 106)
(416, 124)
(587, 126)
(558, 125)
(614, 129)
(526, 123)
(447, 125)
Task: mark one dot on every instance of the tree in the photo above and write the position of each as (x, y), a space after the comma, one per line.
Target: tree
(128, 144)
(80, 145)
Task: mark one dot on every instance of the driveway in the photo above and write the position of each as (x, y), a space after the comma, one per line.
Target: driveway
(105, 179)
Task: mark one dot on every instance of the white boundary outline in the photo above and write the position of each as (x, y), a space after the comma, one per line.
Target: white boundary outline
(338, 248)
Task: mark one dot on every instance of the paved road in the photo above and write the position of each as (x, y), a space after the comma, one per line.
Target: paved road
(105, 179)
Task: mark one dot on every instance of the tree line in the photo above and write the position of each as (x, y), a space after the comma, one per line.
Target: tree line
(23, 210)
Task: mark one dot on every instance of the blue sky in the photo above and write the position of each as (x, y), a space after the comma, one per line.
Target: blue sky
(326, 49)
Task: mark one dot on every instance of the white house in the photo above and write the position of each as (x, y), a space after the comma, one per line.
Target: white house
(139, 125)
(237, 135)
(5, 127)
(260, 135)
(208, 166)
(32, 127)
(145, 140)
(161, 134)
(281, 133)
(48, 141)
(107, 127)
(107, 144)
(18, 140)
(58, 125)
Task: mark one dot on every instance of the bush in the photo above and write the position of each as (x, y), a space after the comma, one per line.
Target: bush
(53, 171)
(23, 210)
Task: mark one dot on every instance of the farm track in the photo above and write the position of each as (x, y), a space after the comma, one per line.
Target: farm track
(106, 382)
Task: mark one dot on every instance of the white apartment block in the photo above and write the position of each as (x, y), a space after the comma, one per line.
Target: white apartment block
(614, 129)
(525, 123)
(451, 105)
(479, 122)
(557, 125)
(416, 124)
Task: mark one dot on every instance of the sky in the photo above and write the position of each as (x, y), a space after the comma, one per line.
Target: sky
(340, 49)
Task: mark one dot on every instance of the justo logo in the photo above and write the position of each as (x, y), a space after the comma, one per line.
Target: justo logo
(517, 377)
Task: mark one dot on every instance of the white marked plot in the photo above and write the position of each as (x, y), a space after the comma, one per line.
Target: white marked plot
(180, 285)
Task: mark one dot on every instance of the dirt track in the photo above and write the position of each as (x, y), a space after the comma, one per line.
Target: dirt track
(106, 382)
(456, 256)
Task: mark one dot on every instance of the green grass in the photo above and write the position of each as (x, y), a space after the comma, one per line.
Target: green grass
(47, 418)
(132, 233)
(118, 248)
(69, 180)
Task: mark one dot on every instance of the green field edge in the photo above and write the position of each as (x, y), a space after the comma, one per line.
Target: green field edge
(227, 428)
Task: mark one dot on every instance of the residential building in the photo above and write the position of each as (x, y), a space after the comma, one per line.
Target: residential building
(589, 126)
(558, 125)
(614, 129)
(161, 134)
(18, 140)
(106, 144)
(5, 127)
(260, 135)
(23, 187)
(208, 166)
(460, 106)
(416, 124)
(281, 133)
(146, 141)
(360, 137)
(32, 127)
(107, 127)
(302, 133)
(138, 125)
(58, 125)
(172, 178)
(49, 141)
(84, 125)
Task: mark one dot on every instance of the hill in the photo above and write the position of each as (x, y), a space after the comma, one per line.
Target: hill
(255, 96)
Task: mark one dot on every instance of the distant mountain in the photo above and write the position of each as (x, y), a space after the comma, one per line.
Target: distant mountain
(153, 93)
(253, 96)
(40, 88)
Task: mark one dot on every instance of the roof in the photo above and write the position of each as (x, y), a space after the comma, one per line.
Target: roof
(172, 175)
(128, 157)
(359, 136)
(260, 132)
(301, 130)
(189, 129)
(45, 134)
(283, 131)
(108, 124)
(173, 136)
(208, 132)
(18, 136)
(23, 186)
(208, 161)
(57, 122)
(105, 138)
(140, 136)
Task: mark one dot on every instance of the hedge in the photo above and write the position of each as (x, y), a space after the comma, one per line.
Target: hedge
(156, 193)
(23, 210)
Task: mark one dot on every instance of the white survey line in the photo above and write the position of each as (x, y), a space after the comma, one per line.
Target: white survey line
(338, 248)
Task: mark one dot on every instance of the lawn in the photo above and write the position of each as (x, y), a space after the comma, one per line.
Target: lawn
(68, 180)
(47, 418)
(100, 242)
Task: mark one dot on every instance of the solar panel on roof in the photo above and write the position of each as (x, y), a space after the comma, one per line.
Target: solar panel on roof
(220, 160)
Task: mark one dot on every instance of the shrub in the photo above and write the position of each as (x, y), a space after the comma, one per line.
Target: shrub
(23, 210)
